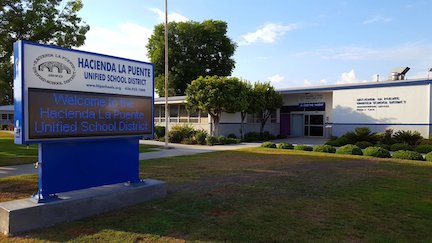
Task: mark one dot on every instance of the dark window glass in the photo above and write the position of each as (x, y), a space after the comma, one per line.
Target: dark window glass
(306, 130)
(316, 131)
(316, 119)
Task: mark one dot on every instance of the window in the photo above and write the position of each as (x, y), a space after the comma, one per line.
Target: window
(193, 116)
(4, 116)
(173, 113)
(184, 115)
(273, 117)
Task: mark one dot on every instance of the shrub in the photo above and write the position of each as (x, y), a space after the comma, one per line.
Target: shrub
(384, 146)
(428, 156)
(385, 137)
(200, 137)
(364, 144)
(180, 132)
(4, 127)
(405, 154)
(267, 136)
(251, 137)
(281, 136)
(408, 137)
(285, 146)
(231, 135)
(425, 141)
(425, 148)
(189, 141)
(338, 142)
(377, 152)
(222, 140)
(303, 147)
(211, 140)
(349, 149)
(324, 149)
(159, 131)
(365, 134)
(268, 145)
(232, 140)
(400, 146)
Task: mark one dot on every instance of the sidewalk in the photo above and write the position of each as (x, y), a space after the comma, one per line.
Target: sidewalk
(175, 150)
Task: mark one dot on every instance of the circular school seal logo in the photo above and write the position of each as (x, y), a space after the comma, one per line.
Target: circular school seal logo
(54, 69)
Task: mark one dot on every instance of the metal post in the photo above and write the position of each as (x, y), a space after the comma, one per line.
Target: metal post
(166, 75)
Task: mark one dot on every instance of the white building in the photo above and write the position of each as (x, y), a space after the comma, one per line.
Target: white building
(6, 115)
(323, 111)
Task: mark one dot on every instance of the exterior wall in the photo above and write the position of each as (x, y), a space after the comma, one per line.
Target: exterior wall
(6, 115)
(397, 108)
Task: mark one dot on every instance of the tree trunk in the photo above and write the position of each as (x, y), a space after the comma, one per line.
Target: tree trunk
(243, 116)
(216, 119)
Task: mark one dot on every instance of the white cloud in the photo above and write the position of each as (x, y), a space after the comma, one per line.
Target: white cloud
(172, 17)
(377, 19)
(323, 81)
(347, 77)
(126, 40)
(268, 33)
(307, 82)
(276, 80)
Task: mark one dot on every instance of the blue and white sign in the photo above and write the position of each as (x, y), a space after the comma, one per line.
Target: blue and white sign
(67, 94)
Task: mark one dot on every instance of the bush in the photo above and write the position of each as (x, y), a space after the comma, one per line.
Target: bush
(425, 141)
(281, 136)
(200, 137)
(232, 140)
(211, 140)
(222, 140)
(377, 152)
(400, 146)
(365, 134)
(424, 149)
(324, 149)
(179, 133)
(428, 156)
(231, 135)
(285, 146)
(189, 141)
(4, 127)
(338, 142)
(159, 132)
(267, 136)
(349, 149)
(303, 147)
(268, 145)
(385, 137)
(408, 137)
(251, 137)
(364, 144)
(384, 146)
(405, 154)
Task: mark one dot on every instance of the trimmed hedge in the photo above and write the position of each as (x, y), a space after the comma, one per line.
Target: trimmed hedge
(405, 154)
(303, 147)
(364, 144)
(377, 152)
(424, 148)
(324, 149)
(211, 140)
(285, 146)
(400, 146)
(268, 145)
(428, 156)
(349, 149)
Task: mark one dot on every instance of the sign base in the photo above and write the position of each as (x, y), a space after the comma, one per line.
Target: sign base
(24, 215)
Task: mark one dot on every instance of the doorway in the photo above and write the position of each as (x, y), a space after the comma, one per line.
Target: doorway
(313, 125)
(297, 123)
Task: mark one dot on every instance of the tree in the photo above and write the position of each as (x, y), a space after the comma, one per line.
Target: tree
(195, 49)
(246, 103)
(266, 101)
(214, 95)
(42, 21)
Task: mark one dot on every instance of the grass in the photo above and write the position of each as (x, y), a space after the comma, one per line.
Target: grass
(145, 148)
(265, 195)
(13, 154)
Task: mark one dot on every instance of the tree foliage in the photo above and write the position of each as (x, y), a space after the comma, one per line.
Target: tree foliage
(265, 101)
(214, 95)
(195, 49)
(43, 21)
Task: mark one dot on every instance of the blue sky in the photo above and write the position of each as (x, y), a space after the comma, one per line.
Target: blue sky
(290, 43)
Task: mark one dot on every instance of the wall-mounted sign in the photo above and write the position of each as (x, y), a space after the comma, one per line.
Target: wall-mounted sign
(312, 105)
(65, 94)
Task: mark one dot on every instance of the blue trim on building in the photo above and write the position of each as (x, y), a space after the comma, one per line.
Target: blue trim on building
(360, 86)
(381, 124)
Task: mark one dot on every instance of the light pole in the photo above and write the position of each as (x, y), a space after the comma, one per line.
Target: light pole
(166, 74)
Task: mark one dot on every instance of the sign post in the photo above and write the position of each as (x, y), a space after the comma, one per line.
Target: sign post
(86, 111)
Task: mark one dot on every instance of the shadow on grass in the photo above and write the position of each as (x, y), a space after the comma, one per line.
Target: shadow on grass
(261, 196)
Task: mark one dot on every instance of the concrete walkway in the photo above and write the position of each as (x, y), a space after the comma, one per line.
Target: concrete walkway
(175, 150)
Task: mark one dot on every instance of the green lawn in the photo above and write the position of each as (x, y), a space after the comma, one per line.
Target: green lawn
(13, 154)
(265, 195)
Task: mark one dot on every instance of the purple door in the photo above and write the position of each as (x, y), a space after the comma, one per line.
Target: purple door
(285, 124)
